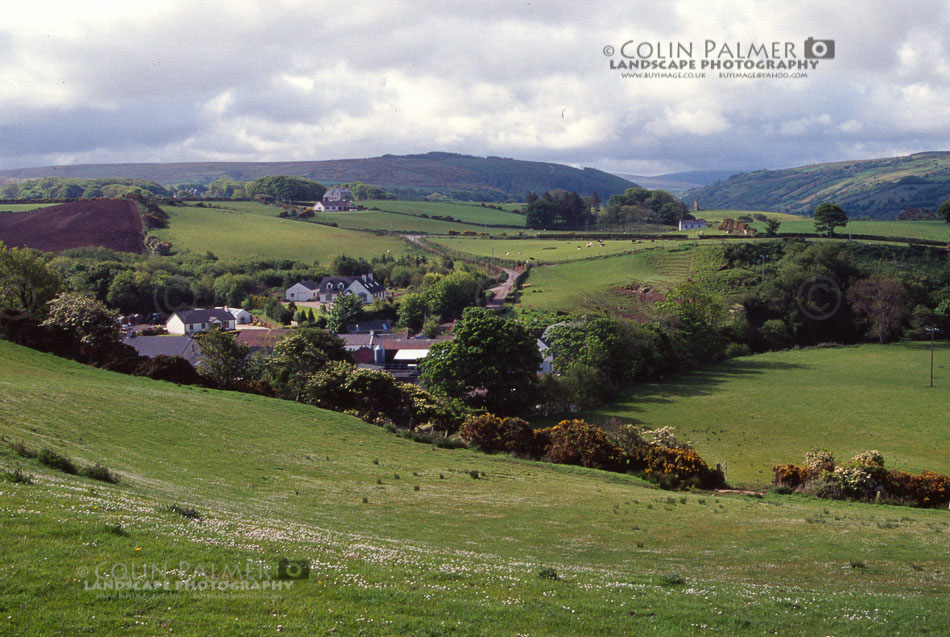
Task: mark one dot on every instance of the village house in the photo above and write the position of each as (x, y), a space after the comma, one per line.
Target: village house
(692, 224)
(241, 316)
(188, 322)
(366, 287)
(338, 199)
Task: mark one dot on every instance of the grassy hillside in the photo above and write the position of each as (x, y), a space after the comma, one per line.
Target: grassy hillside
(232, 233)
(470, 213)
(875, 187)
(541, 250)
(487, 178)
(758, 411)
(932, 230)
(399, 536)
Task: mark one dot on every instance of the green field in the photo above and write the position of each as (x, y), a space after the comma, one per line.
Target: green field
(568, 286)
(22, 207)
(230, 233)
(470, 213)
(933, 230)
(758, 411)
(718, 215)
(376, 220)
(542, 250)
(401, 539)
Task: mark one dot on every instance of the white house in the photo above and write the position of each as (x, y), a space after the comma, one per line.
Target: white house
(195, 321)
(303, 291)
(547, 358)
(366, 287)
(338, 199)
(241, 316)
(692, 224)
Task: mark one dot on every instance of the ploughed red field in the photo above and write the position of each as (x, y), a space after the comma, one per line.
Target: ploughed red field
(110, 223)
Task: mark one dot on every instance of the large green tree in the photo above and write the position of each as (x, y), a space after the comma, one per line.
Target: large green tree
(829, 216)
(27, 284)
(944, 210)
(492, 362)
(882, 304)
(89, 320)
(346, 309)
(299, 355)
(413, 309)
(223, 359)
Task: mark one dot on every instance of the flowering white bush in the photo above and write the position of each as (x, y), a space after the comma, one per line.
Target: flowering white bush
(819, 459)
(872, 458)
(855, 480)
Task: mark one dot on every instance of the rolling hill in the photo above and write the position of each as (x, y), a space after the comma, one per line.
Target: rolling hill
(879, 188)
(680, 182)
(403, 538)
(460, 176)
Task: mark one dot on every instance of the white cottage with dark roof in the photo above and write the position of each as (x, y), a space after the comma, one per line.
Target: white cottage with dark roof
(366, 287)
(188, 322)
(338, 199)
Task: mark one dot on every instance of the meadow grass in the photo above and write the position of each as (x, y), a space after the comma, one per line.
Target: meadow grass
(230, 233)
(755, 412)
(272, 479)
(468, 212)
(568, 286)
(22, 207)
(542, 250)
(527, 548)
(932, 230)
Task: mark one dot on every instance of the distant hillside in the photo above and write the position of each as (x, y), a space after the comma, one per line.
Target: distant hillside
(461, 176)
(110, 223)
(680, 182)
(879, 188)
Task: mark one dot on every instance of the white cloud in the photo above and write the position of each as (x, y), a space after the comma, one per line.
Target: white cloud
(175, 80)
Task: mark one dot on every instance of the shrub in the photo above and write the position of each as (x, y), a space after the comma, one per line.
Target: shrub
(55, 460)
(818, 460)
(579, 443)
(188, 512)
(516, 436)
(788, 475)
(871, 458)
(547, 572)
(22, 450)
(173, 369)
(932, 489)
(16, 476)
(855, 481)
(482, 432)
(680, 467)
(101, 473)
(489, 433)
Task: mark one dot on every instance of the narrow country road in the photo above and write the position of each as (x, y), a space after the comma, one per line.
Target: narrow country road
(499, 293)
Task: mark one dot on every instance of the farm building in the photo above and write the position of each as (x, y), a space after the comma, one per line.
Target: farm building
(692, 224)
(152, 346)
(241, 317)
(190, 322)
(336, 200)
(366, 287)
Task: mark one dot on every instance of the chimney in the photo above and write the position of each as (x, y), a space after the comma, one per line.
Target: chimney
(364, 278)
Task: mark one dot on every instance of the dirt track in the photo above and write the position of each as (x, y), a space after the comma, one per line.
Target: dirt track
(110, 223)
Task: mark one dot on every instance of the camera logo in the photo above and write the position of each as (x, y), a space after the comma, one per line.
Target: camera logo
(819, 49)
(293, 569)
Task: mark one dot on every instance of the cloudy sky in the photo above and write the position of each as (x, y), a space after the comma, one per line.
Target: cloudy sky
(91, 82)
